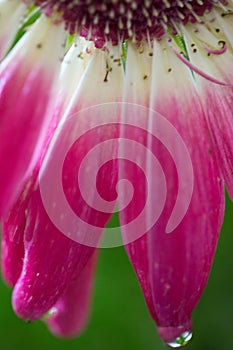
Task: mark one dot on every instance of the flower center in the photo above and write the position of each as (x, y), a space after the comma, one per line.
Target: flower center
(117, 20)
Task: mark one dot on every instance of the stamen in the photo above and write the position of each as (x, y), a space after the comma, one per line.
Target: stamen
(198, 71)
(102, 21)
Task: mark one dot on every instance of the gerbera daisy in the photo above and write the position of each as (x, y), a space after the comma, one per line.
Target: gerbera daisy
(76, 74)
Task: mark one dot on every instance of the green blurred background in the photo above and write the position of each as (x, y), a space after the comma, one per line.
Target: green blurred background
(120, 320)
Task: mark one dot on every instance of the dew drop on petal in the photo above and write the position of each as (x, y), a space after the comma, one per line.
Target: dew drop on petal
(176, 337)
(180, 341)
(52, 311)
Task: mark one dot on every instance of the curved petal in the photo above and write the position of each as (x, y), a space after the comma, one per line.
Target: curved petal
(50, 262)
(12, 246)
(51, 259)
(180, 262)
(173, 267)
(70, 314)
(27, 79)
(14, 224)
(217, 99)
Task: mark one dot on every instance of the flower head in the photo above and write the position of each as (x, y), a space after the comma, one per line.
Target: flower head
(106, 87)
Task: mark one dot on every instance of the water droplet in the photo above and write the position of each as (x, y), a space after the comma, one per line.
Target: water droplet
(180, 341)
(51, 312)
(176, 336)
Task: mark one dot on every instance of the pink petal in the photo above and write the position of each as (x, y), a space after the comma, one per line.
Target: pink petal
(218, 106)
(70, 314)
(13, 234)
(50, 262)
(173, 268)
(27, 80)
(217, 100)
(88, 139)
(12, 247)
(180, 262)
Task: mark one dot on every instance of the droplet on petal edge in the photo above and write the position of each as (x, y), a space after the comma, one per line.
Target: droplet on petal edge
(176, 337)
(181, 341)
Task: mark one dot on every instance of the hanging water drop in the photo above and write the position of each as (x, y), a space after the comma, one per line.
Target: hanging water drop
(181, 341)
(176, 336)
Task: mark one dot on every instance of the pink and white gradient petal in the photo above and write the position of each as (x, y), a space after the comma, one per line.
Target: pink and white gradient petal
(217, 99)
(175, 267)
(28, 78)
(51, 260)
(180, 262)
(15, 221)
